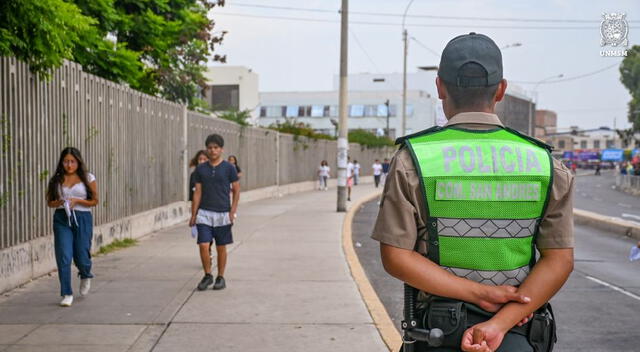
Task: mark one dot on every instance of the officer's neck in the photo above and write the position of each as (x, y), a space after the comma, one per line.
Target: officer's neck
(455, 111)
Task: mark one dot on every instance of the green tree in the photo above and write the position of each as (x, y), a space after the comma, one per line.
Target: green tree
(161, 46)
(41, 33)
(630, 77)
(174, 39)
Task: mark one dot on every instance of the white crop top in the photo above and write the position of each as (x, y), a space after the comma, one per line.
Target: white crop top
(77, 191)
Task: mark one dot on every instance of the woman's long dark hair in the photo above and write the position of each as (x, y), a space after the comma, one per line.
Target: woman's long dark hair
(53, 190)
(194, 161)
(235, 162)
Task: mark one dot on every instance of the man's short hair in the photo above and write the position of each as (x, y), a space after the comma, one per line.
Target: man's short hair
(215, 139)
(471, 97)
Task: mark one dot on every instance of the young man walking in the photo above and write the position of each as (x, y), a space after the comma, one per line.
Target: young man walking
(212, 212)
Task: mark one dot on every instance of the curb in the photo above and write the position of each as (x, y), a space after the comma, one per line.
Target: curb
(606, 223)
(378, 313)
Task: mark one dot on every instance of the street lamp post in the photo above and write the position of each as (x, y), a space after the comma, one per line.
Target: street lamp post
(535, 93)
(386, 132)
(403, 122)
(343, 142)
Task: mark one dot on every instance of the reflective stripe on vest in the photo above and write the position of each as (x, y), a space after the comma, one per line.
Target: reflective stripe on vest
(485, 193)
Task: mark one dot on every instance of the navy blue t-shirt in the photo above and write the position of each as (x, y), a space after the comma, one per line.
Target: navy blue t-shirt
(216, 183)
(385, 168)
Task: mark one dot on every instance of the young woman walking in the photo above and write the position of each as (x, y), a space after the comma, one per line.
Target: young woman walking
(72, 191)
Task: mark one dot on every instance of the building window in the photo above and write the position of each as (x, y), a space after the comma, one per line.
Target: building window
(393, 110)
(263, 111)
(273, 111)
(382, 110)
(561, 144)
(596, 144)
(225, 97)
(409, 110)
(292, 111)
(370, 110)
(356, 110)
(317, 110)
(610, 144)
(333, 110)
(304, 111)
(583, 144)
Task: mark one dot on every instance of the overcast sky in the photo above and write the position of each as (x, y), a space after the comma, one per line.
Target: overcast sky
(292, 51)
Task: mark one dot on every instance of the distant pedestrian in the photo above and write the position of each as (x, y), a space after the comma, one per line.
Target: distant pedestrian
(324, 172)
(385, 170)
(377, 172)
(598, 169)
(623, 168)
(72, 191)
(234, 161)
(212, 211)
(199, 158)
(356, 172)
(350, 169)
(574, 167)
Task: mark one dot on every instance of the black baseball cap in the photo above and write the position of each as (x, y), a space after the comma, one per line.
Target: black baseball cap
(471, 50)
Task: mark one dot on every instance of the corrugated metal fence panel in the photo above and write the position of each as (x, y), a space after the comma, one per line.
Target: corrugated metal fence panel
(132, 142)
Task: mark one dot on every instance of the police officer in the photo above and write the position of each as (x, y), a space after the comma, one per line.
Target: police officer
(464, 208)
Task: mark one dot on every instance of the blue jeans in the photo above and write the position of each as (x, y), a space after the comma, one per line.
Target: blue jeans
(72, 242)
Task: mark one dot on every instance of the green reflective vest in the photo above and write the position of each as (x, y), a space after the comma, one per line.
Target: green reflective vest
(486, 192)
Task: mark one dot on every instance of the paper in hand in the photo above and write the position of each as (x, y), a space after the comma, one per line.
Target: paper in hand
(634, 254)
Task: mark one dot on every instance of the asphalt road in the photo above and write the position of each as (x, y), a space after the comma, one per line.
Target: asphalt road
(598, 309)
(598, 194)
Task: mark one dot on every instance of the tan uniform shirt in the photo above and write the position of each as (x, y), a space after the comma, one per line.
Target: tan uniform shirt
(403, 215)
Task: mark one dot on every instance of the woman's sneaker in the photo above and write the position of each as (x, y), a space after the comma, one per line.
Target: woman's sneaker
(205, 282)
(85, 286)
(66, 301)
(220, 284)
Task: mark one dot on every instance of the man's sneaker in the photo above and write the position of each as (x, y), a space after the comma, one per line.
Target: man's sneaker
(220, 284)
(66, 301)
(205, 282)
(85, 286)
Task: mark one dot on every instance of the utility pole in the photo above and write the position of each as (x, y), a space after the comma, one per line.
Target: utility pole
(387, 132)
(403, 123)
(343, 128)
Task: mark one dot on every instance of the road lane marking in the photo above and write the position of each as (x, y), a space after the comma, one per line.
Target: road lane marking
(613, 287)
(633, 216)
(625, 205)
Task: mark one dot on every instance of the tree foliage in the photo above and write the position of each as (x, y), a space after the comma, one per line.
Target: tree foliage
(160, 47)
(630, 77)
(369, 139)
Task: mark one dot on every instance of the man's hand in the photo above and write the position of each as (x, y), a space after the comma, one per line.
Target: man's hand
(483, 337)
(232, 216)
(192, 221)
(494, 297)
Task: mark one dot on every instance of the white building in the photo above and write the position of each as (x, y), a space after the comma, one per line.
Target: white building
(367, 95)
(232, 88)
(367, 110)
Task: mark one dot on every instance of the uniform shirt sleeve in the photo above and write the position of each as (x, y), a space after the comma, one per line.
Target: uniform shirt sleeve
(396, 223)
(196, 176)
(90, 177)
(556, 227)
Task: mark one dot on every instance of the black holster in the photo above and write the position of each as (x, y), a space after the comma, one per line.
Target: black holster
(542, 329)
(455, 317)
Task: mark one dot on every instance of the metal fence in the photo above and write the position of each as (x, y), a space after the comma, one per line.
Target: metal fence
(628, 183)
(134, 143)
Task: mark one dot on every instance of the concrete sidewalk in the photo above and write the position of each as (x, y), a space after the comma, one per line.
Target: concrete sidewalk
(288, 289)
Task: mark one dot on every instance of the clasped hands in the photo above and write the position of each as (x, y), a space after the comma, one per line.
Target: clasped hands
(487, 336)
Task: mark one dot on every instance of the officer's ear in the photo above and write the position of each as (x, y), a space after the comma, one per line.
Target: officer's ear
(442, 90)
(502, 89)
